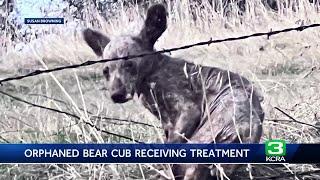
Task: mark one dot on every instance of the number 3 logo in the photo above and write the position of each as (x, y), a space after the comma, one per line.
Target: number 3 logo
(275, 148)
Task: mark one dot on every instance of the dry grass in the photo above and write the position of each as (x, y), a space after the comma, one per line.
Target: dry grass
(281, 66)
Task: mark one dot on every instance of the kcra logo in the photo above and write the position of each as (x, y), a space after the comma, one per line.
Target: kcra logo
(275, 151)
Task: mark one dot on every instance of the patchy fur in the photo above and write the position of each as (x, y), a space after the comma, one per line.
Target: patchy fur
(196, 104)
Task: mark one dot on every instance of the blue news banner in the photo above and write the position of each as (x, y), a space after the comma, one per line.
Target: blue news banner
(274, 152)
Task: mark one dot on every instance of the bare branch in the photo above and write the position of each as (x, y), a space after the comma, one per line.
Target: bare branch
(296, 121)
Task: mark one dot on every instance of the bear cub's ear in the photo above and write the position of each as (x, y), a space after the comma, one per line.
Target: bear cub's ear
(154, 25)
(95, 40)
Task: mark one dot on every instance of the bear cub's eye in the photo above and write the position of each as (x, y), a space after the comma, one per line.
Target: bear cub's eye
(106, 73)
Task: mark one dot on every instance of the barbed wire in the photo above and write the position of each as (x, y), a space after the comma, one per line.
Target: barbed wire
(109, 119)
(68, 114)
(201, 43)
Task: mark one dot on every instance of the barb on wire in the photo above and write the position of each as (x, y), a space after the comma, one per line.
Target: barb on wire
(69, 114)
(294, 120)
(88, 63)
